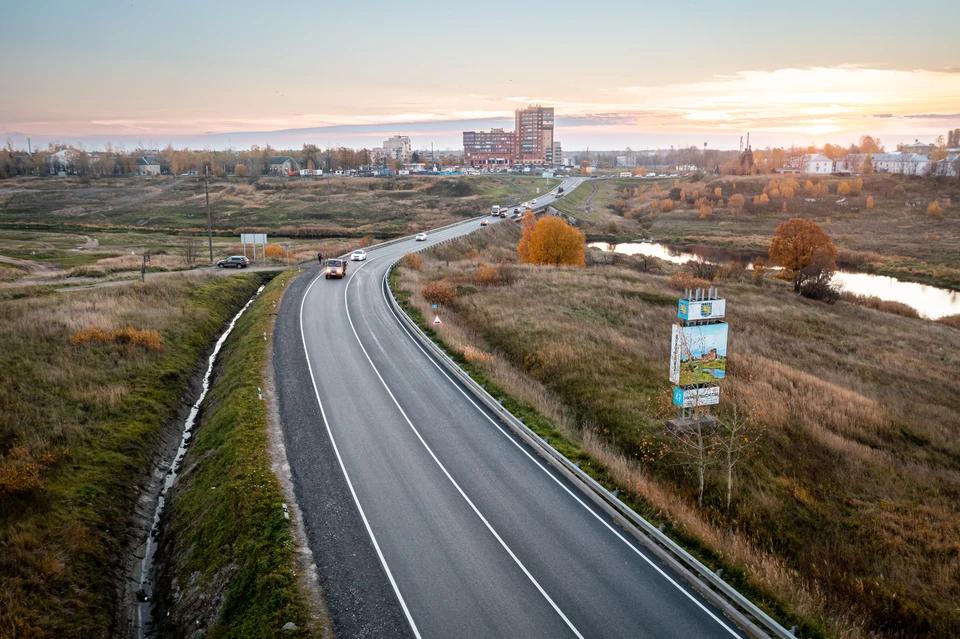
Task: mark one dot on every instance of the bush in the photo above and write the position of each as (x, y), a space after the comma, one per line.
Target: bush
(877, 304)
(950, 320)
(151, 340)
(681, 280)
(666, 206)
(412, 261)
(758, 274)
(439, 293)
(275, 251)
(818, 285)
(934, 210)
(732, 271)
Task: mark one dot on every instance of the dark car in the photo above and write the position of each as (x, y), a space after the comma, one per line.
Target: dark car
(335, 268)
(238, 261)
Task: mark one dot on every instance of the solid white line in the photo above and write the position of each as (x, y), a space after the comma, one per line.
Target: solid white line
(542, 467)
(346, 475)
(450, 477)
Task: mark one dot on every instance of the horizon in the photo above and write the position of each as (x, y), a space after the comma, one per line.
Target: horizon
(341, 79)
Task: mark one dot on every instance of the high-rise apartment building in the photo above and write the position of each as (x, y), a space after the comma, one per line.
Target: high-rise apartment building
(397, 148)
(488, 149)
(557, 153)
(534, 135)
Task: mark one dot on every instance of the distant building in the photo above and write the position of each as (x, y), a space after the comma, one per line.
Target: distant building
(534, 135)
(283, 164)
(557, 153)
(919, 149)
(817, 164)
(397, 148)
(902, 163)
(147, 166)
(488, 149)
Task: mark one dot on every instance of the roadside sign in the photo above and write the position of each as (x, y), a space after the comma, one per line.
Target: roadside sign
(436, 321)
(433, 306)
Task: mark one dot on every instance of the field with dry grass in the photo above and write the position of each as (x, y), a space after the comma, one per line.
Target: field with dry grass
(891, 238)
(88, 382)
(846, 520)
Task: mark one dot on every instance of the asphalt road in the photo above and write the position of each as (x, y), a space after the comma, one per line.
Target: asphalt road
(427, 517)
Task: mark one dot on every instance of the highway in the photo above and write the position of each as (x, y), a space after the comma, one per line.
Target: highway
(425, 515)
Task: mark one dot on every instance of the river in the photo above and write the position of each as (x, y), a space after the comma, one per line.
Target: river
(930, 301)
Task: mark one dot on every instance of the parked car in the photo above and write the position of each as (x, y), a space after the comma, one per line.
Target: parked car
(421, 237)
(335, 268)
(237, 261)
(358, 256)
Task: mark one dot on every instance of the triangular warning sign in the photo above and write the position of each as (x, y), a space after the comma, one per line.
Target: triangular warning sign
(436, 320)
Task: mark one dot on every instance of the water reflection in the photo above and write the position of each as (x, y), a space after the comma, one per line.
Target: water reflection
(930, 301)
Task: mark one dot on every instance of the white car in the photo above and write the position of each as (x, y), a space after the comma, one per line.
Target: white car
(358, 256)
(421, 237)
(533, 201)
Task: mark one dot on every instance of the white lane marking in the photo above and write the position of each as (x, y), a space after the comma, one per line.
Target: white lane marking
(452, 480)
(346, 475)
(548, 473)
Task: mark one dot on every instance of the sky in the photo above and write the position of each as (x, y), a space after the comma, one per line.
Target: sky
(619, 74)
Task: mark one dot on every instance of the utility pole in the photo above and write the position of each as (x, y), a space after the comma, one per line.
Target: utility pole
(206, 192)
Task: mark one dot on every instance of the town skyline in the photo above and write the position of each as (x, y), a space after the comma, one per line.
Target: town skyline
(341, 81)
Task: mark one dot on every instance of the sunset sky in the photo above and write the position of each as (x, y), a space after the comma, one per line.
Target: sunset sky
(619, 73)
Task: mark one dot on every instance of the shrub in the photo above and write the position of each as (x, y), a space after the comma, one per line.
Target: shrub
(764, 198)
(681, 280)
(732, 271)
(736, 202)
(718, 191)
(950, 320)
(439, 293)
(843, 189)
(758, 274)
(89, 334)
(886, 306)
(151, 340)
(898, 189)
(870, 202)
(19, 473)
(706, 211)
(412, 261)
(666, 206)
(275, 251)
(934, 210)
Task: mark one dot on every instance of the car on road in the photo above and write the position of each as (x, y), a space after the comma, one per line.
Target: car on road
(358, 256)
(516, 211)
(533, 201)
(237, 261)
(484, 222)
(335, 268)
(421, 237)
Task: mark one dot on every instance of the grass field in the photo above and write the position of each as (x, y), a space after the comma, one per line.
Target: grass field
(227, 545)
(847, 518)
(892, 238)
(80, 420)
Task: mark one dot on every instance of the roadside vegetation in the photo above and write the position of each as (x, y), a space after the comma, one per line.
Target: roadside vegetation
(886, 224)
(845, 513)
(89, 381)
(227, 548)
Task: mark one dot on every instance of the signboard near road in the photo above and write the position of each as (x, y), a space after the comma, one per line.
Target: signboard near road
(698, 354)
(701, 310)
(696, 397)
(253, 238)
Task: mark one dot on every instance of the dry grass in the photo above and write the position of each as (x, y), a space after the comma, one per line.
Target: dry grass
(861, 452)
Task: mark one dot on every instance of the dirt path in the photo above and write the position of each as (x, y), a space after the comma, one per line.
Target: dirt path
(33, 267)
(585, 207)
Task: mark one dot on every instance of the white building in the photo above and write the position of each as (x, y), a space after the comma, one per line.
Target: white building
(397, 148)
(147, 166)
(817, 164)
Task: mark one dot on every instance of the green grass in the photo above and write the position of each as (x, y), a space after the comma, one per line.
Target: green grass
(227, 512)
(87, 419)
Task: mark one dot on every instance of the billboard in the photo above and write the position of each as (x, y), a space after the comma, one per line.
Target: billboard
(253, 238)
(695, 397)
(701, 310)
(698, 354)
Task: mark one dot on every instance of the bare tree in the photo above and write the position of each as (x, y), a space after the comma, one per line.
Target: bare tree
(737, 437)
(189, 248)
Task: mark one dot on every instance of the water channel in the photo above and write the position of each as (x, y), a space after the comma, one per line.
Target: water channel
(145, 596)
(930, 301)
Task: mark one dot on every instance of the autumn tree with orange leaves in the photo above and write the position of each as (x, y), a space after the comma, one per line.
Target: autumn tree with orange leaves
(523, 248)
(804, 250)
(553, 242)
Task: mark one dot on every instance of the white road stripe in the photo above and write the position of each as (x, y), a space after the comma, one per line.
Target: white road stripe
(346, 475)
(450, 477)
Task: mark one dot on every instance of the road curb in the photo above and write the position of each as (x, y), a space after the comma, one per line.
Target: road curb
(733, 604)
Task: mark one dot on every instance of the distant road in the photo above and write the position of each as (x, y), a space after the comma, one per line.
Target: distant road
(426, 516)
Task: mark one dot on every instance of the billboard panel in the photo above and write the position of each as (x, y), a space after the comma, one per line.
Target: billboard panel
(701, 310)
(691, 397)
(698, 354)
(253, 238)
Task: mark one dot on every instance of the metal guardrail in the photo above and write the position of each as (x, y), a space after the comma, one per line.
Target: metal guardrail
(705, 581)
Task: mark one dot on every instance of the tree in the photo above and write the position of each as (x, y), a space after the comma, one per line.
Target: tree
(585, 167)
(843, 189)
(870, 202)
(934, 210)
(529, 223)
(736, 202)
(803, 249)
(439, 293)
(189, 246)
(736, 438)
(554, 242)
(240, 170)
(869, 144)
